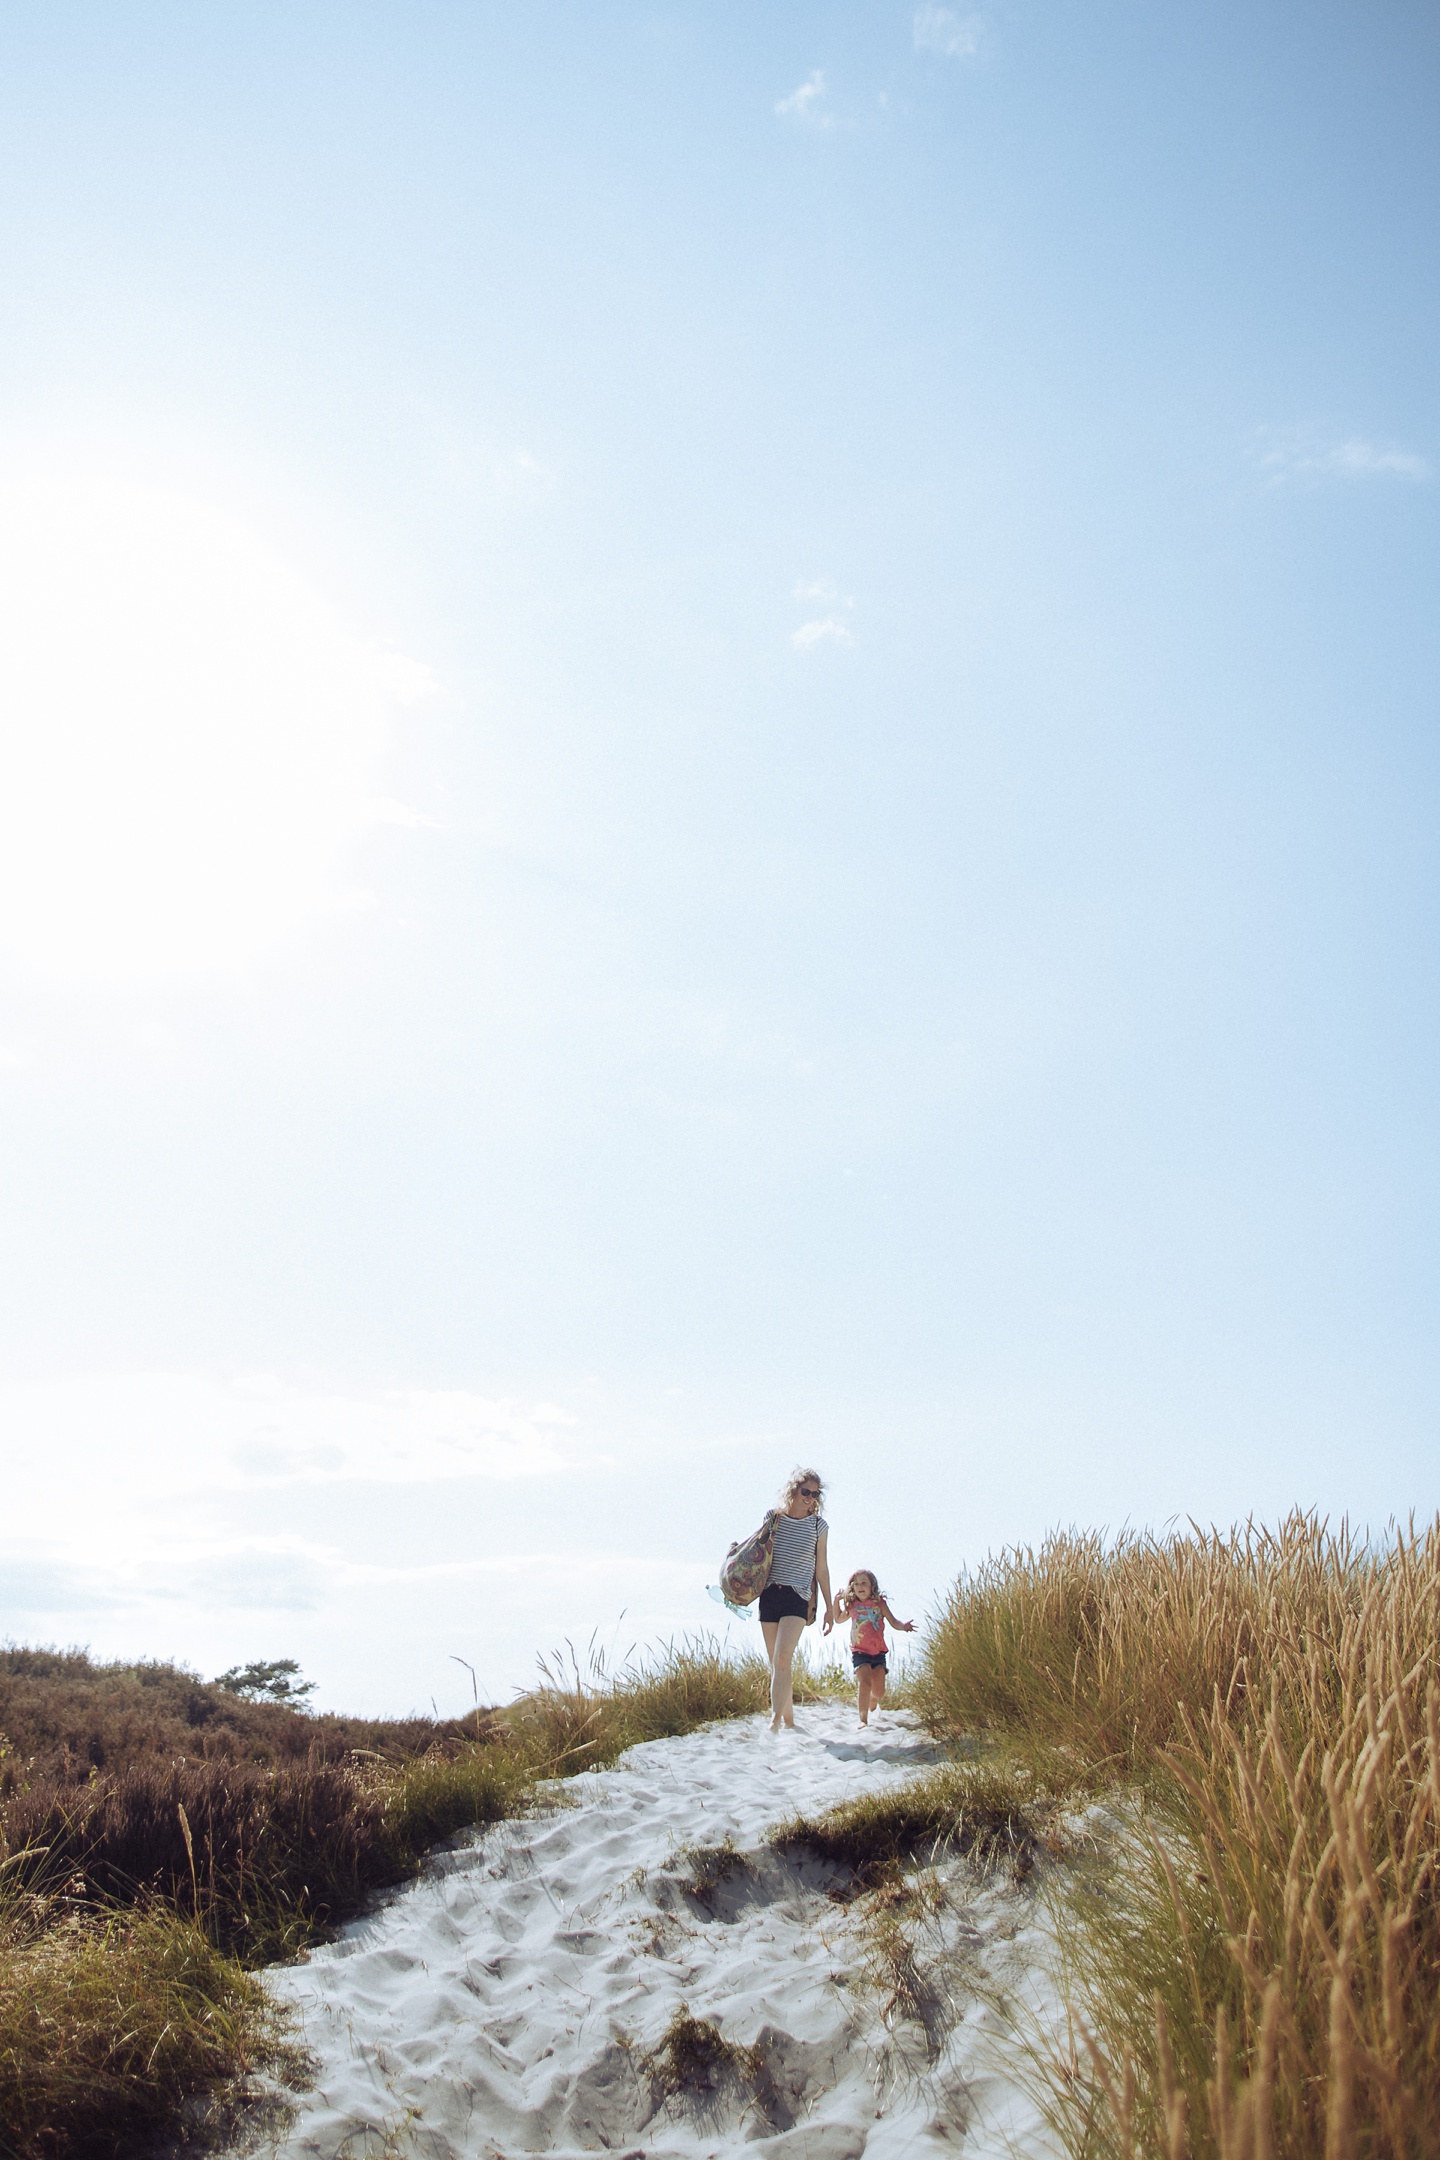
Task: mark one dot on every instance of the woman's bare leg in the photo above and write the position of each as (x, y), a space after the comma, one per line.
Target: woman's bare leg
(782, 1656)
(770, 1629)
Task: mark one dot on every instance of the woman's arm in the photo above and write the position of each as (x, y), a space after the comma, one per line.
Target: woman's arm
(903, 1627)
(822, 1574)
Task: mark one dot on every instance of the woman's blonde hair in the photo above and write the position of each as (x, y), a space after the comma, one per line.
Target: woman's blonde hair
(796, 1479)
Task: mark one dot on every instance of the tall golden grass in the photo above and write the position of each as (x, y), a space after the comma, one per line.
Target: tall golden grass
(1257, 1969)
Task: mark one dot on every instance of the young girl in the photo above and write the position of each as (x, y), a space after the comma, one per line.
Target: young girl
(862, 1604)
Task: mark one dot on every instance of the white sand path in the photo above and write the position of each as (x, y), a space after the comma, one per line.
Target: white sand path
(511, 2001)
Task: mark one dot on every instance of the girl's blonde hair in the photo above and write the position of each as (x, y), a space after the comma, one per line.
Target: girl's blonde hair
(868, 1575)
(796, 1479)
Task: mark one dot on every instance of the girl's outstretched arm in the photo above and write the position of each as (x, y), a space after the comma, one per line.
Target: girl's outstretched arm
(822, 1573)
(902, 1627)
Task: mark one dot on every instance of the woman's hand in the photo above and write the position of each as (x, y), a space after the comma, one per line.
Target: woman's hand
(829, 1620)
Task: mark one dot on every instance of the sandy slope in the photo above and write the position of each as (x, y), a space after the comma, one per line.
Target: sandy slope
(510, 2002)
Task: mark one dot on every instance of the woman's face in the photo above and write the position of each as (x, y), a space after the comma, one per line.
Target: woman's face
(805, 1499)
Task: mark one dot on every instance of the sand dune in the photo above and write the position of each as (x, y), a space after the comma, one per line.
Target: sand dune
(514, 2000)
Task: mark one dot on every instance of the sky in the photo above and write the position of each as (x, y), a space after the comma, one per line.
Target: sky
(717, 748)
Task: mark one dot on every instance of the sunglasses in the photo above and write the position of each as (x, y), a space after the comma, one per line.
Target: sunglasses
(809, 1492)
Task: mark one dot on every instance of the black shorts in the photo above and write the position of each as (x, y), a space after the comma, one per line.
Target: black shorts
(779, 1602)
(861, 1658)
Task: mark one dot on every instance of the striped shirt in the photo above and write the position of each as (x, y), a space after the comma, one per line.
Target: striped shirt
(793, 1567)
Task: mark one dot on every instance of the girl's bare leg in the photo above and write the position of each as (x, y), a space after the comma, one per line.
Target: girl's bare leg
(782, 1656)
(877, 1685)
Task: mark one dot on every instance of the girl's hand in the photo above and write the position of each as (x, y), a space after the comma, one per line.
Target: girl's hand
(906, 1626)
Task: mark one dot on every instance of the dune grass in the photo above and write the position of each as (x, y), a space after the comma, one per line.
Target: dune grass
(111, 2024)
(156, 1843)
(1257, 1967)
(582, 1716)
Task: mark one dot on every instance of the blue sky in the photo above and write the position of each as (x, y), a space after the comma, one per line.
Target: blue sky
(718, 745)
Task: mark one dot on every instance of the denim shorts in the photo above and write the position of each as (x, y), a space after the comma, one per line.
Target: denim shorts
(861, 1658)
(779, 1602)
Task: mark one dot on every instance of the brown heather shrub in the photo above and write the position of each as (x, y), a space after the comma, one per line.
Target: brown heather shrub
(1258, 1967)
(268, 1859)
(135, 1783)
(62, 1716)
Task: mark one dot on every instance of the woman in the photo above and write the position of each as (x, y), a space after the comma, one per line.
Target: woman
(801, 1533)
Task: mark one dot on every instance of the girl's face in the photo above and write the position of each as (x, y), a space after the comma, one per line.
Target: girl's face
(862, 1585)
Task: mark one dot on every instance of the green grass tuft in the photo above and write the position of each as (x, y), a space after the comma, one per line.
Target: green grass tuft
(709, 1866)
(987, 1812)
(694, 2057)
(110, 2026)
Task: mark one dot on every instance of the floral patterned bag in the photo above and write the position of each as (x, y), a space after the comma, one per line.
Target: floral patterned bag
(747, 1566)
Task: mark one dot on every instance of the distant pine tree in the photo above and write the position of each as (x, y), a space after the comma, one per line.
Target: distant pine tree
(278, 1681)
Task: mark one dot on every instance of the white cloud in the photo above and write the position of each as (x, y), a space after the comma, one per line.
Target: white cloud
(191, 738)
(141, 1489)
(940, 30)
(1304, 460)
(184, 1515)
(824, 630)
(379, 1637)
(533, 474)
(806, 103)
(184, 1432)
(830, 628)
